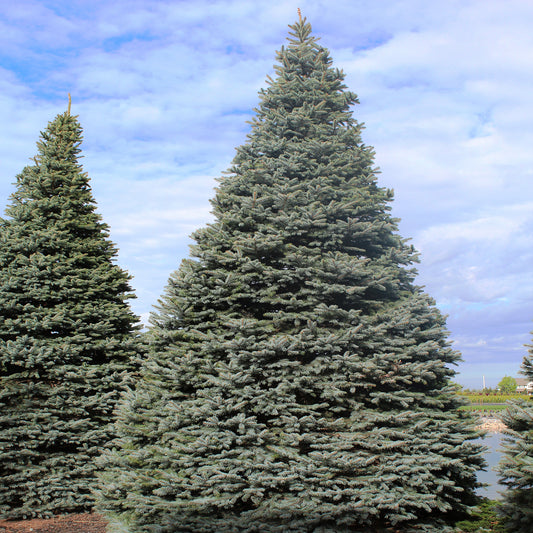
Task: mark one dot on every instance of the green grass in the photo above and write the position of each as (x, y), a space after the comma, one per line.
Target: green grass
(484, 518)
(484, 402)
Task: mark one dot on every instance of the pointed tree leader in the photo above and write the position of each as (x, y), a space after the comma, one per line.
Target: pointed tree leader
(516, 465)
(67, 335)
(298, 379)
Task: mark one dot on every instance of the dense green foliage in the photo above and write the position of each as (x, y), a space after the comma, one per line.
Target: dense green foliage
(298, 380)
(507, 384)
(67, 335)
(484, 518)
(516, 466)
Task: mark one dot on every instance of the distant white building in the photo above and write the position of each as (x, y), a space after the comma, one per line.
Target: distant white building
(524, 385)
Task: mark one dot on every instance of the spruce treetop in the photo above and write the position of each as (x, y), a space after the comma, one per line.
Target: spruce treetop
(56, 184)
(527, 363)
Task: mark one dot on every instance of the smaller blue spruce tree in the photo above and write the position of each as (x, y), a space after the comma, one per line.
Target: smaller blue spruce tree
(68, 339)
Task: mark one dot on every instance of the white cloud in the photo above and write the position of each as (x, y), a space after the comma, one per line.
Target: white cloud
(163, 90)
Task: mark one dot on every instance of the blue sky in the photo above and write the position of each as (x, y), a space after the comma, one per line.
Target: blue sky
(163, 90)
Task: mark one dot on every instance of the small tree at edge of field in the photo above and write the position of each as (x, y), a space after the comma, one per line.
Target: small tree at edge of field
(516, 465)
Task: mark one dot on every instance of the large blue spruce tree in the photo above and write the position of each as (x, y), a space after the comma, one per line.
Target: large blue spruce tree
(68, 339)
(298, 379)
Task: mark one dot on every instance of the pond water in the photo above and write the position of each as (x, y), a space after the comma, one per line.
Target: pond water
(493, 455)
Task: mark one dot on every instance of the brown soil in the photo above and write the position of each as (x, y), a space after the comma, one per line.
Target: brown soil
(76, 523)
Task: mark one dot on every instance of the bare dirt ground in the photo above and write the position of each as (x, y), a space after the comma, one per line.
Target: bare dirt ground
(77, 523)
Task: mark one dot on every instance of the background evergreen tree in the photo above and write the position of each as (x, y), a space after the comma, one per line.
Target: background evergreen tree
(298, 379)
(67, 335)
(516, 465)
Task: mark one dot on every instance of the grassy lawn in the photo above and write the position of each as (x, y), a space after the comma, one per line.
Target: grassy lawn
(484, 518)
(483, 402)
(482, 398)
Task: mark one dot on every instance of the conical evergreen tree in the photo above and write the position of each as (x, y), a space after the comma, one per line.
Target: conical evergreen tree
(298, 379)
(68, 339)
(516, 466)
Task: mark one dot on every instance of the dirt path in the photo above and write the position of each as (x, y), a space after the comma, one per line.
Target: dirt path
(78, 523)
